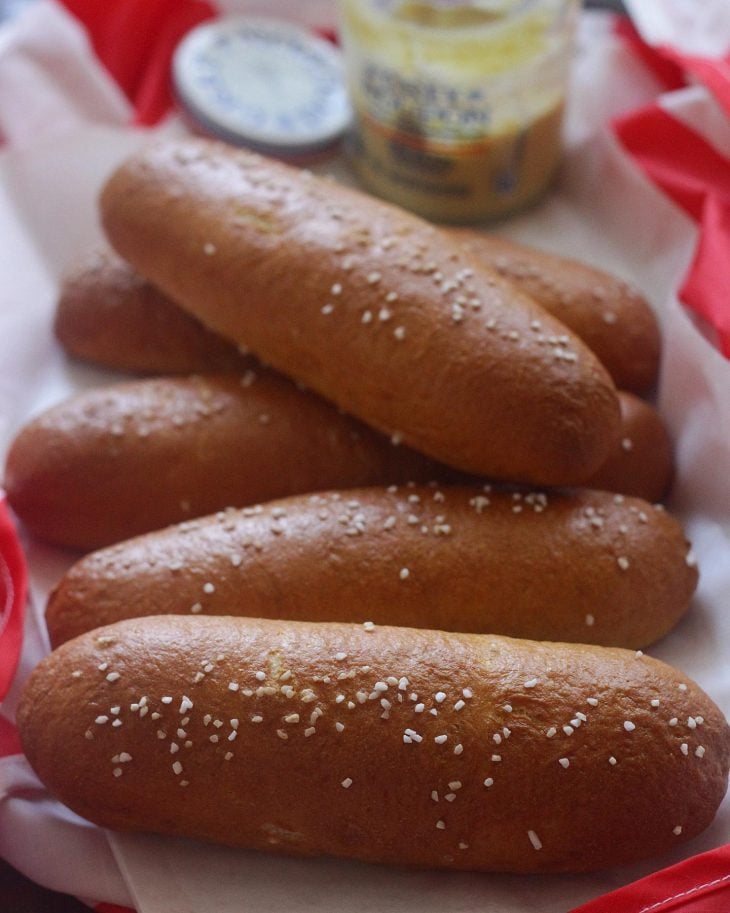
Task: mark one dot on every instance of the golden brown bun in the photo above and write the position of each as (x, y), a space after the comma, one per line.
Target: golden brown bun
(109, 315)
(584, 566)
(111, 463)
(392, 745)
(642, 462)
(611, 317)
(302, 272)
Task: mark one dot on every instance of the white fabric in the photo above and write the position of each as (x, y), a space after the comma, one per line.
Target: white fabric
(50, 80)
(699, 27)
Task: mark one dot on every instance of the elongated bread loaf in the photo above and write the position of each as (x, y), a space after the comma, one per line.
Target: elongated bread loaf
(585, 566)
(122, 460)
(107, 314)
(108, 464)
(381, 744)
(367, 305)
(642, 461)
(610, 316)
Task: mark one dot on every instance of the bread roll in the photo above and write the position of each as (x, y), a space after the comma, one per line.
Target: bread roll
(108, 464)
(386, 745)
(367, 305)
(107, 314)
(642, 461)
(584, 566)
(610, 316)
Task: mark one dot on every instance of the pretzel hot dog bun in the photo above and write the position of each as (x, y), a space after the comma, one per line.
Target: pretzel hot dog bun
(107, 314)
(642, 461)
(319, 739)
(584, 566)
(610, 316)
(111, 463)
(367, 305)
(123, 460)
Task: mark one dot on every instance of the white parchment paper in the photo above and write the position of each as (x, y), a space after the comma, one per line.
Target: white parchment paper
(604, 212)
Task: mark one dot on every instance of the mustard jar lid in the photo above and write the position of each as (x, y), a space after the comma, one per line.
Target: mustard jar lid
(264, 83)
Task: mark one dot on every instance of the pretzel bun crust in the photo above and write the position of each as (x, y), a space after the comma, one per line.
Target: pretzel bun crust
(367, 305)
(583, 566)
(122, 460)
(386, 745)
(642, 460)
(609, 315)
(109, 315)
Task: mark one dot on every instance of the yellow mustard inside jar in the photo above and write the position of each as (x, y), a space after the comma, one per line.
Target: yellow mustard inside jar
(458, 106)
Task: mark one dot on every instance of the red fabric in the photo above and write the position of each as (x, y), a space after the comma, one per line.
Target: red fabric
(669, 73)
(13, 588)
(135, 40)
(712, 73)
(697, 177)
(112, 908)
(9, 739)
(700, 884)
(671, 66)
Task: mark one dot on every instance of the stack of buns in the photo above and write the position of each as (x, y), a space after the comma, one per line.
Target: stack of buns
(364, 432)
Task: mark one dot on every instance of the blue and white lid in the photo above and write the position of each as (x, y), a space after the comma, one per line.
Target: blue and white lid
(264, 83)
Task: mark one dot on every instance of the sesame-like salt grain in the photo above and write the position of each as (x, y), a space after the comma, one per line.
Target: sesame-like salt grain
(534, 840)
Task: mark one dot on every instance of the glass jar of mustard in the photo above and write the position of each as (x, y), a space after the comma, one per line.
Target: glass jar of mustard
(457, 104)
